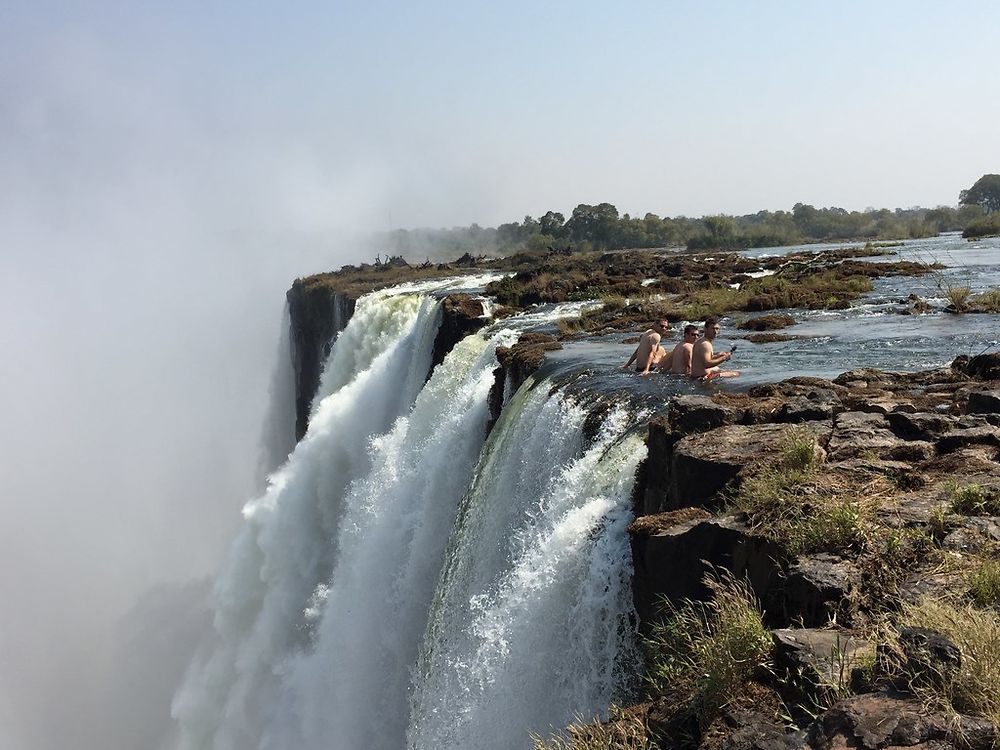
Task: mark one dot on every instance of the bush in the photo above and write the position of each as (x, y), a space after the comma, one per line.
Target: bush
(985, 227)
(702, 655)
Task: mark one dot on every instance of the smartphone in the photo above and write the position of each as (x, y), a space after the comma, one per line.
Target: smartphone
(733, 350)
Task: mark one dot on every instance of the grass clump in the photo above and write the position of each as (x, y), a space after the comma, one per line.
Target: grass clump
(702, 655)
(988, 301)
(798, 450)
(974, 499)
(806, 511)
(974, 687)
(984, 583)
(625, 729)
(958, 295)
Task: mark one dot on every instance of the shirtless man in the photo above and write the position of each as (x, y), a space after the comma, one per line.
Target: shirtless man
(705, 362)
(649, 351)
(679, 361)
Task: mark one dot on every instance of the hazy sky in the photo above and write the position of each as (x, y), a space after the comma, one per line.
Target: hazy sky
(165, 171)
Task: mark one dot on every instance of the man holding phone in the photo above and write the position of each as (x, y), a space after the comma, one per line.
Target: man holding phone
(704, 361)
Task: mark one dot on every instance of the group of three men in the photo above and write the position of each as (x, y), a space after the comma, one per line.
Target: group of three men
(692, 357)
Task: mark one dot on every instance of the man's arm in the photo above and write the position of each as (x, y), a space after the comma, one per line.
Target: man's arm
(688, 355)
(633, 358)
(717, 359)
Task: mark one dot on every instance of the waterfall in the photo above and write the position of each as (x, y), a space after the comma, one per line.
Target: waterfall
(284, 551)
(401, 584)
(530, 626)
(278, 438)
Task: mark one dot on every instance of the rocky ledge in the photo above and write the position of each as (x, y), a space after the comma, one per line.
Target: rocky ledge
(816, 565)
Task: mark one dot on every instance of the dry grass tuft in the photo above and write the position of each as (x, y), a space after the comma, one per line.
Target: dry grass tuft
(974, 688)
(625, 729)
(702, 655)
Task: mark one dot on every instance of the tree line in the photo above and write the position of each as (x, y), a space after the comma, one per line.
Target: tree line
(601, 227)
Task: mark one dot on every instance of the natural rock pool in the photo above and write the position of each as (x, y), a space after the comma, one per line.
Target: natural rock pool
(870, 333)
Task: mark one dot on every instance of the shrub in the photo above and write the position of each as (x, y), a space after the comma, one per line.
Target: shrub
(702, 655)
(974, 688)
(984, 583)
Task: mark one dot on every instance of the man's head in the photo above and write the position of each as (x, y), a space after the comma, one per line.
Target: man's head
(690, 332)
(661, 326)
(711, 328)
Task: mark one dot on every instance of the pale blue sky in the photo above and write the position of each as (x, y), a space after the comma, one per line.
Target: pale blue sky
(447, 112)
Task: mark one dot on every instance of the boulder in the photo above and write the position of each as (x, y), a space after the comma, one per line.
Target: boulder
(699, 414)
(817, 589)
(930, 657)
(820, 663)
(751, 722)
(855, 433)
(703, 464)
(923, 426)
(767, 322)
(984, 402)
(963, 438)
(672, 562)
(874, 721)
(981, 367)
(815, 405)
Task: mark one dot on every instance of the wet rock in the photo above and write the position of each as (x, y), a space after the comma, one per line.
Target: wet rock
(817, 589)
(461, 314)
(704, 464)
(874, 721)
(698, 414)
(767, 323)
(654, 475)
(317, 314)
(673, 562)
(769, 338)
(856, 433)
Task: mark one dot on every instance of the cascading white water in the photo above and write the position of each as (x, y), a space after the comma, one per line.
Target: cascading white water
(530, 626)
(322, 610)
(370, 618)
(285, 549)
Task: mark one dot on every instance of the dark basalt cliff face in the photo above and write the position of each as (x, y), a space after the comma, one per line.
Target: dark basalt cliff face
(317, 314)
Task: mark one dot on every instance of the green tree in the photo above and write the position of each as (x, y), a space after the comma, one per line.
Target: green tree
(985, 193)
(552, 223)
(595, 224)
